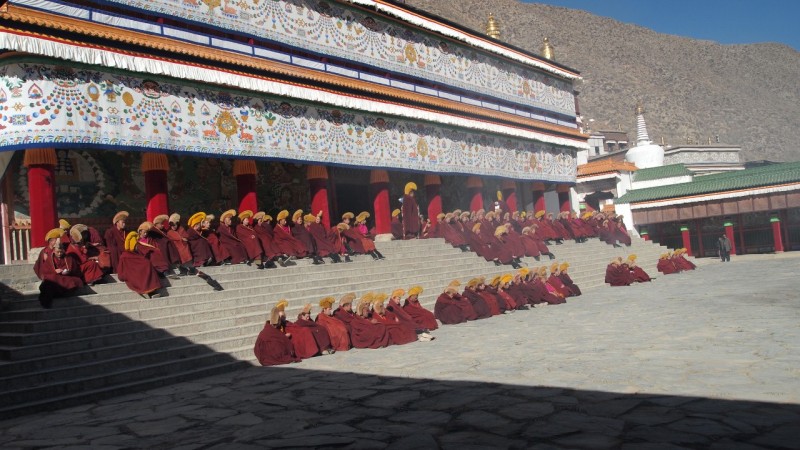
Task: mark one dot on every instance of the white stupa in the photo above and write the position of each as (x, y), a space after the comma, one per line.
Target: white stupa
(645, 154)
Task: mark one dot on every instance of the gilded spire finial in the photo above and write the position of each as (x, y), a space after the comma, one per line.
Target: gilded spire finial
(639, 108)
(548, 51)
(493, 27)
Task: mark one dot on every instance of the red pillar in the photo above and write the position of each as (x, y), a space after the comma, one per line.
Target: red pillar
(155, 167)
(41, 163)
(563, 197)
(475, 192)
(245, 172)
(509, 189)
(731, 237)
(776, 234)
(318, 185)
(379, 187)
(687, 241)
(538, 197)
(433, 184)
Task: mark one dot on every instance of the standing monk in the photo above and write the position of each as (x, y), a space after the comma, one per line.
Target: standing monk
(115, 238)
(411, 223)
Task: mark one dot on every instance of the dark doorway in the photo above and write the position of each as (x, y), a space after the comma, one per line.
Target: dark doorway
(351, 192)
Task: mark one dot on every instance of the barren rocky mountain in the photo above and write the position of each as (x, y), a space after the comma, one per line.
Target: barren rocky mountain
(748, 95)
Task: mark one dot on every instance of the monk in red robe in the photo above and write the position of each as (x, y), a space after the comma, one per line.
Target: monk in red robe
(60, 273)
(681, 261)
(286, 243)
(397, 225)
(422, 317)
(575, 291)
(301, 233)
(115, 238)
(209, 231)
(666, 265)
(136, 270)
(394, 311)
(555, 281)
(322, 241)
(158, 236)
(247, 235)
(146, 246)
(617, 275)
(202, 253)
(363, 334)
(411, 223)
(337, 330)
(451, 308)
(177, 236)
(304, 345)
(228, 239)
(91, 272)
(352, 239)
(263, 228)
(273, 347)
(318, 332)
(639, 275)
(479, 305)
(547, 293)
(399, 333)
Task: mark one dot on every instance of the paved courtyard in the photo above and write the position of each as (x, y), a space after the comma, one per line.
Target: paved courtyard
(705, 359)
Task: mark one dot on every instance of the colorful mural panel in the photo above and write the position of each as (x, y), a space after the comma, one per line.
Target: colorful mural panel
(62, 106)
(329, 28)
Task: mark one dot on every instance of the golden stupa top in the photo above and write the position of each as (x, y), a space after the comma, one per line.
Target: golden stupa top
(548, 51)
(639, 108)
(493, 27)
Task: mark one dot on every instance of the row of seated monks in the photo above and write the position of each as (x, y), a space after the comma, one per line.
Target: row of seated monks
(379, 320)
(625, 273)
(172, 249)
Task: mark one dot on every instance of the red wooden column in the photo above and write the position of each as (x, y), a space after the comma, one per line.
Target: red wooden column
(538, 197)
(776, 234)
(563, 197)
(433, 185)
(318, 185)
(509, 188)
(155, 167)
(687, 240)
(41, 163)
(379, 188)
(245, 172)
(729, 233)
(475, 192)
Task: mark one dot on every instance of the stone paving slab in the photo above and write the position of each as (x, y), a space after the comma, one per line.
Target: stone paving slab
(705, 359)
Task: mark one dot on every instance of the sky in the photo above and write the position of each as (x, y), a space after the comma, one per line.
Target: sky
(723, 21)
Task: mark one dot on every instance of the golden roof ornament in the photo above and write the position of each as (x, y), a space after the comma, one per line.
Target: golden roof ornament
(548, 51)
(639, 108)
(492, 27)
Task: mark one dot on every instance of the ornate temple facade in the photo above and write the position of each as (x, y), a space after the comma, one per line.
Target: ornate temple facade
(187, 105)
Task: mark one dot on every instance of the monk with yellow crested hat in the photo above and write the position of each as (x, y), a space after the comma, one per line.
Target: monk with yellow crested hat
(136, 270)
(359, 239)
(273, 346)
(200, 247)
(451, 231)
(397, 225)
(285, 241)
(639, 275)
(482, 308)
(323, 243)
(60, 272)
(247, 235)
(666, 265)
(363, 333)
(154, 245)
(451, 307)
(394, 312)
(317, 334)
(170, 238)
(337, 330)
(421, 316)
(399, 332)
(237, 253)
(411, 218)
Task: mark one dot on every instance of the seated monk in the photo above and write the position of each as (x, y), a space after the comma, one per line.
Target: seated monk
(91, 272)
(304, 345)
(337, 330)
(399, 333)
(479, 305)
(326, 245)
(547, 293)
(617, 275)
(177, 236)
(146, 246)
(273, 347)
(639, 275)
(136, 270)
(501, 285)
(489, 298)
(200, 247)
(318, 332)
(666, 265)
(228, 240)
(681, 261)
(423, 318)
(395, 311)
(397, 225)
(60, 273)
(451, 308)
(362, 333)
(567, 280)
(360, 229)
(285, 242)
(247, 235)
(555, 281)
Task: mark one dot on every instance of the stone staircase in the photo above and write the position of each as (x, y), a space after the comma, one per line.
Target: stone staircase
(108, 341)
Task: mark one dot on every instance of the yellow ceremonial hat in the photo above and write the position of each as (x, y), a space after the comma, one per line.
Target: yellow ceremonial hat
(259, 215)
(489, 215)
(457, 212)
(130, 241)
(473, 282)
(159, 219)
(327, 302)
(54, 234)
(174, 218)
(539, 214)
(283, 214)
(226, 214)
(267, 217)
(343, 226)
(75, 233)
(500, 230)
(631, 257)
(347, 215)
(145, 226)
(362, 217)
(196, 218)
(499, 195)
(410, 186)
(496, 280)
(306, 309)
(63, 224)
(506, 278)
(122, 215)
(414, 290)
(563, 267)
(309, 218)
(347, 299)
(282, 304)
(398, 292)
(543, 270)
(476, 227)
(395, 213)
(297, 214)
(554, 267)
(524, 271)
(246, 214)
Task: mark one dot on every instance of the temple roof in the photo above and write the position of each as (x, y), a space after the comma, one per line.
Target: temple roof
(657, 173)
(605, 166)
(772, 175)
